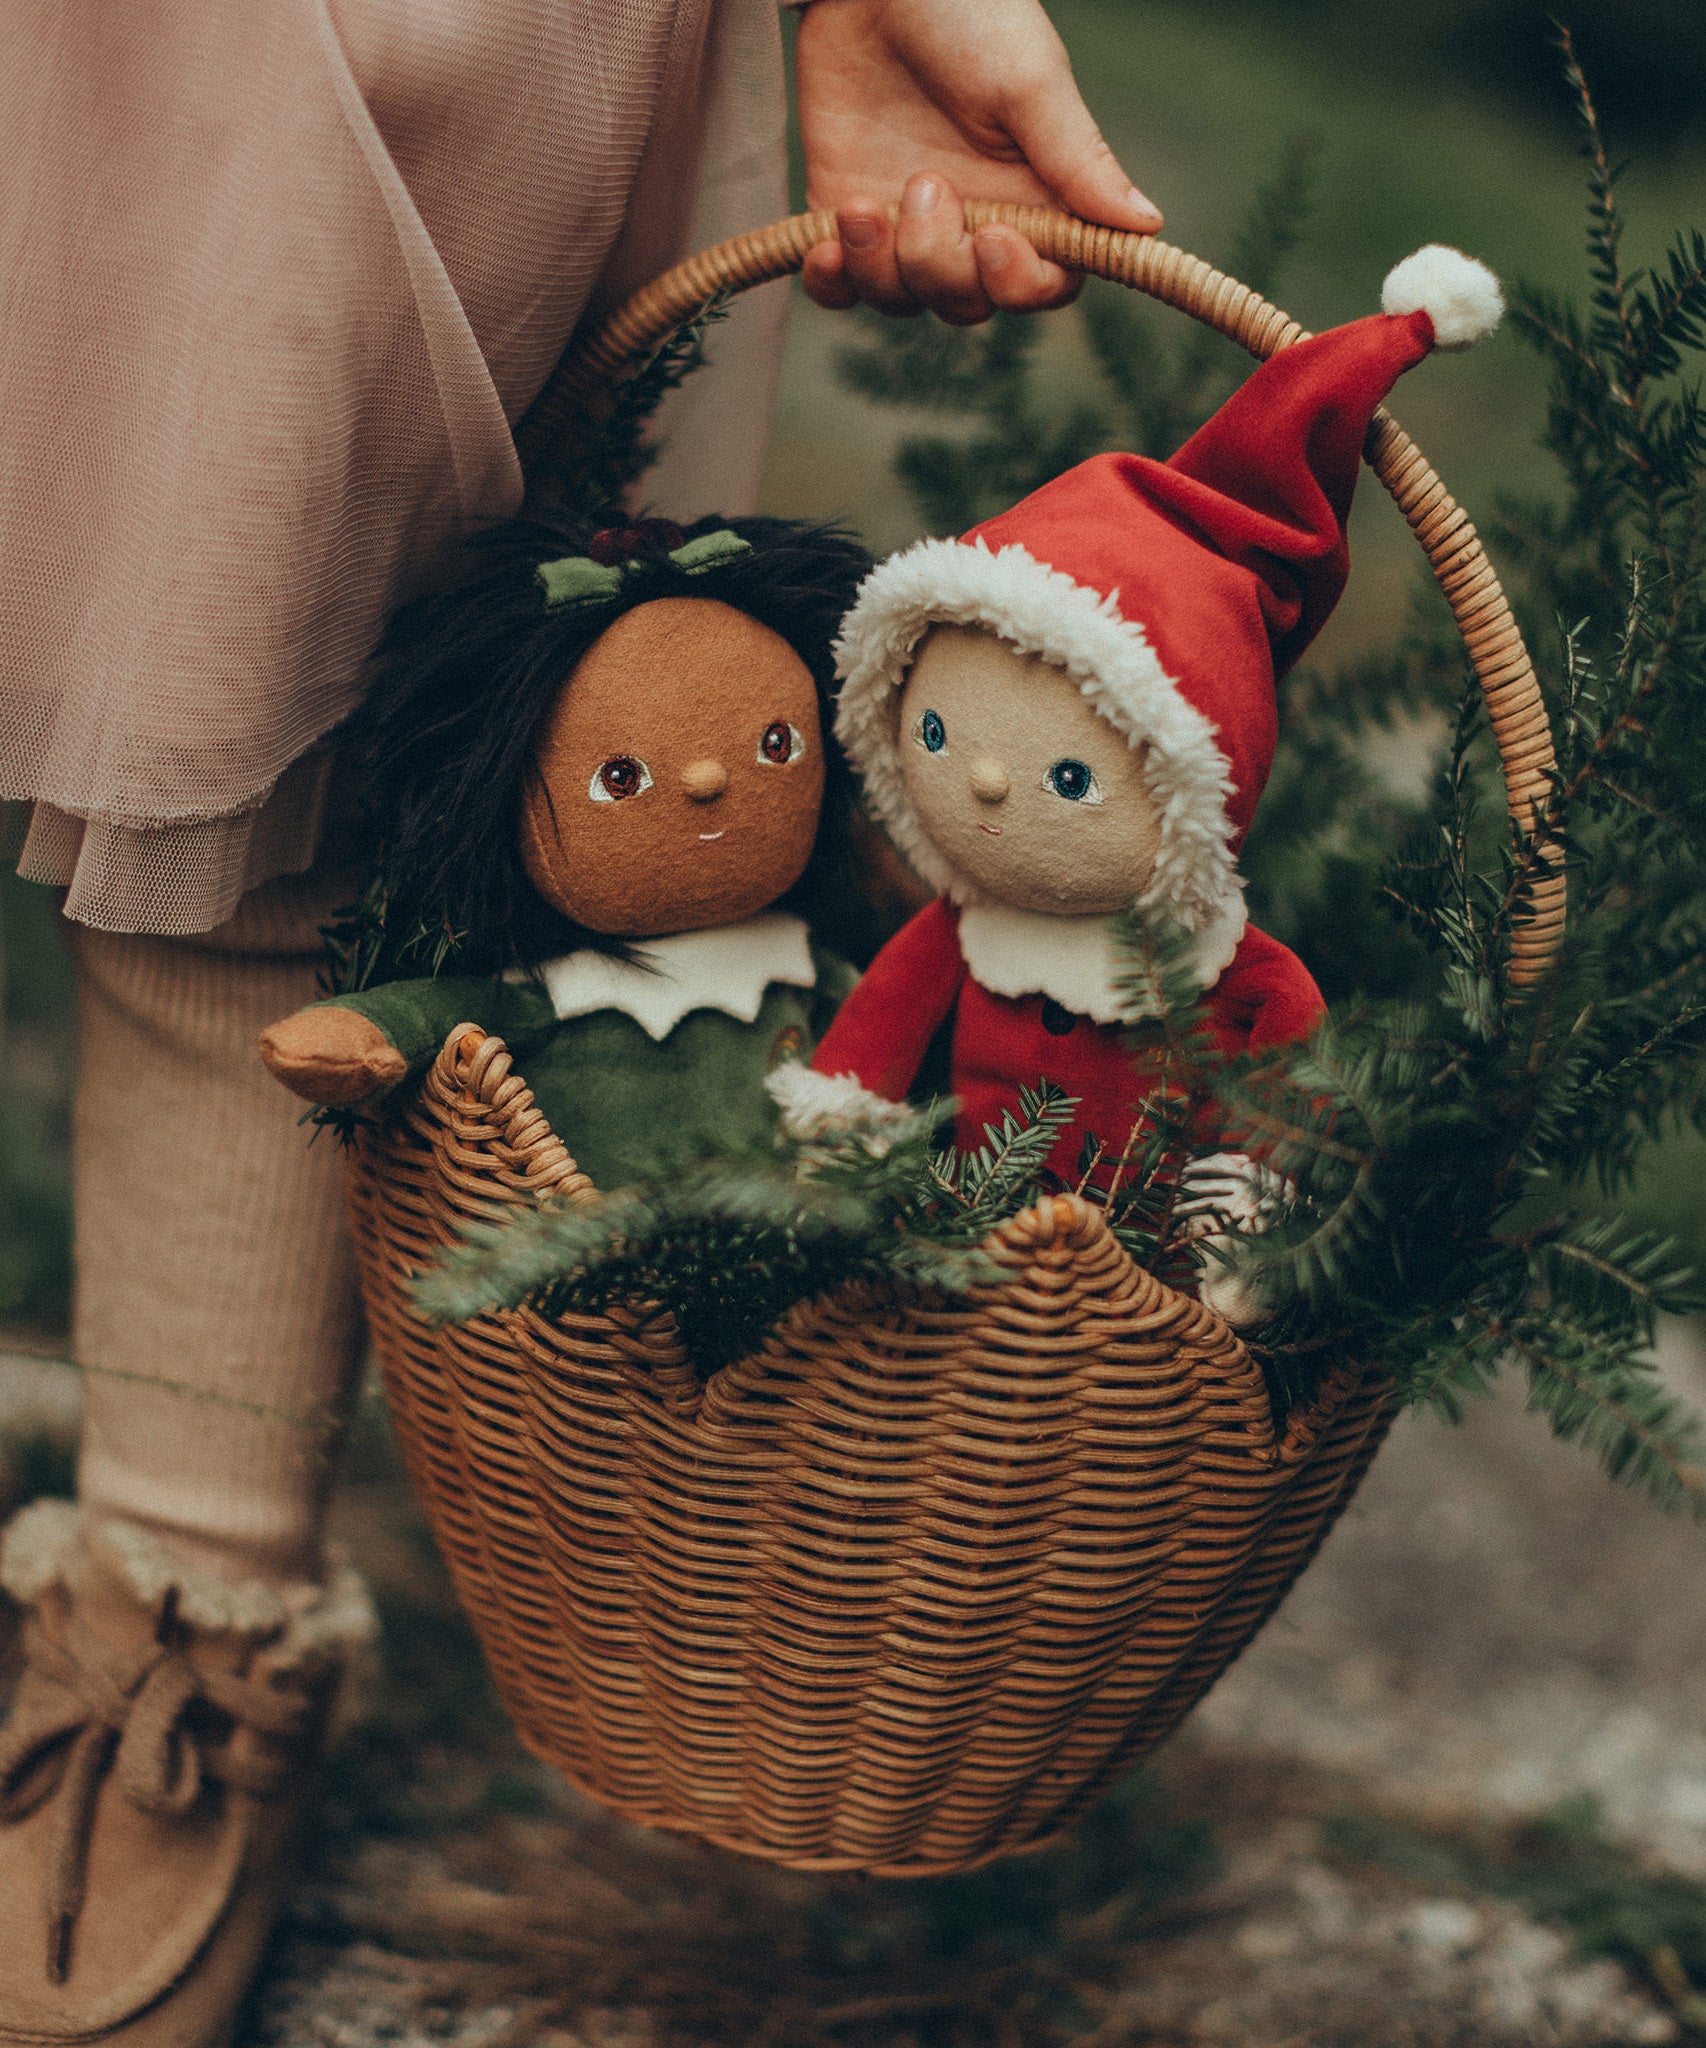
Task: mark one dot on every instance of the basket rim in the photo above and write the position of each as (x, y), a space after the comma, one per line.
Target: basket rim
(476, 1067)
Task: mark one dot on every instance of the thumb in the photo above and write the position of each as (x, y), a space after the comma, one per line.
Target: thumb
(1065, 148)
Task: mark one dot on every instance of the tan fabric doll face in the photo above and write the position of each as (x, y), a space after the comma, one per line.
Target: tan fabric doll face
(1027, 790)
(680, 774)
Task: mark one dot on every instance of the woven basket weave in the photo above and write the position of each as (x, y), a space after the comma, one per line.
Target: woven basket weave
(905, 1589)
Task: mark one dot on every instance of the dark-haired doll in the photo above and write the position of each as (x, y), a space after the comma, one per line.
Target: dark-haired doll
(599, 763)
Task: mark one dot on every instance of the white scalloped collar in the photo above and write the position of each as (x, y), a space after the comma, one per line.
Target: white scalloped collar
(1015, 952)
(727, 968)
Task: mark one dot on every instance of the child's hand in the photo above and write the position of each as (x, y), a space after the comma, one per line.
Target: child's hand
(331, 1056)
(933, 102)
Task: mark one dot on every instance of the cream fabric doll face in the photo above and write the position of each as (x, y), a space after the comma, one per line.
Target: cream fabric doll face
(680, 774)
(1026, 789)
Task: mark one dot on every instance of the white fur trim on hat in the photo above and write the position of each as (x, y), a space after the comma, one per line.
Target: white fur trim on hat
(1460, 295)
(1040, 611)
(815, 1105)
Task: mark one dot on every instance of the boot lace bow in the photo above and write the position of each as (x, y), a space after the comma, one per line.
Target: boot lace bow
(162, 1724)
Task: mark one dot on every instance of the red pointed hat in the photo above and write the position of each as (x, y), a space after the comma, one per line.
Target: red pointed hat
(1176, 593)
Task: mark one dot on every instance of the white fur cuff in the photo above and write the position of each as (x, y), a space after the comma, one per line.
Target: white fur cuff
(1231, 1197)
(1460, 295)
(42, 1541)
(815, 1105)
(1232, 1192)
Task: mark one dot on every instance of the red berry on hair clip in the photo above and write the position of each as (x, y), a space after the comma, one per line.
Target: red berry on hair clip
(649, 540)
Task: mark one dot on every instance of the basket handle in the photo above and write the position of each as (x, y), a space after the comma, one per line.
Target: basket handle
(1478, 603)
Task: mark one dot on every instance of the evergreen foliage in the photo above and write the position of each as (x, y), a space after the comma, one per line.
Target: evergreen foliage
(591, 474)
(728, 1253)
(1446, 1140)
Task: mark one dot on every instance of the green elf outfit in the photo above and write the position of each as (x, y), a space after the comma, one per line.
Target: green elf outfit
(645, 1066)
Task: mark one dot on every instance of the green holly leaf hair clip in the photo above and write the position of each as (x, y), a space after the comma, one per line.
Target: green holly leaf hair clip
(596, 577)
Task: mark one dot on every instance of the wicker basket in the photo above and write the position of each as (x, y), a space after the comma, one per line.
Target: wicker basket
(904, 1590)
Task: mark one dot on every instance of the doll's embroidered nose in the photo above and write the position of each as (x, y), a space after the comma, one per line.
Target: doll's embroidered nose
(704, 781)
(989, 781)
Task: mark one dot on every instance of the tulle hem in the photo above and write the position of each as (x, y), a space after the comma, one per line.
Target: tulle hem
(177, 879)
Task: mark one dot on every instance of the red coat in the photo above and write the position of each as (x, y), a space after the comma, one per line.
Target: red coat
(1266, 996)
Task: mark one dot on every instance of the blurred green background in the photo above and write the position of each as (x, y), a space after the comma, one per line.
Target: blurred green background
(1438, 120)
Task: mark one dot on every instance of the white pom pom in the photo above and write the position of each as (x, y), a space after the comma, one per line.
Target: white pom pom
(1459, 295)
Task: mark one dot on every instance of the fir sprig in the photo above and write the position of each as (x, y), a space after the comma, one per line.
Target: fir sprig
(589, 465)
(724, 1254)
(983, 1185)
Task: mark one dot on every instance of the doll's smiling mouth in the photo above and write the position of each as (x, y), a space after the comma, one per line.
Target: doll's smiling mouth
(704, 836)
(994, 831)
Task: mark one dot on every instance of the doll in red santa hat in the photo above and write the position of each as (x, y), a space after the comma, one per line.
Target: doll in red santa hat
(1072, 708)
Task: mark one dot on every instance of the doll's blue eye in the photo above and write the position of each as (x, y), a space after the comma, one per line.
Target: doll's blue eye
(932, 732)
(1074, 781)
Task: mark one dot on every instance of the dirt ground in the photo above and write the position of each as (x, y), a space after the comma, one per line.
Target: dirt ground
(1454, 1798)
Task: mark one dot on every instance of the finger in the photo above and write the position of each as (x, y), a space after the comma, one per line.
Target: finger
(1016, 278)
(935, 252)
(1065, 148)
(824, 275)
(868, 258)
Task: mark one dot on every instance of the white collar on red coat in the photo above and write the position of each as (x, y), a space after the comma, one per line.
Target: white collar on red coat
(727, 968)
(1073, 959)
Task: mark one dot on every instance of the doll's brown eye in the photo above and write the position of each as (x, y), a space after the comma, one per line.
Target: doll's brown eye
(781, 744)
(622, 775)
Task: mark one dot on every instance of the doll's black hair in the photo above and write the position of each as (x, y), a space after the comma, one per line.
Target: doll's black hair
(463, 679)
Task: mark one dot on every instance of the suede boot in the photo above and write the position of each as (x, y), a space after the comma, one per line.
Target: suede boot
(155, 1777)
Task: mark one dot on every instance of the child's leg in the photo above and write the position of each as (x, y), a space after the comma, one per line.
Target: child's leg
(180, 1628)
(216, 1311)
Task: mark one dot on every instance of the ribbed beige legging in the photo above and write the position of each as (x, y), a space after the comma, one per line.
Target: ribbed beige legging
(216, 1311)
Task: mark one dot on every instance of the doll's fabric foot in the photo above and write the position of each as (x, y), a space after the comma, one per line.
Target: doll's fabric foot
(156, 1771)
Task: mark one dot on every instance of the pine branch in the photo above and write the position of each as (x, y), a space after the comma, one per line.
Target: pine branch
(994, 1181)
(1688, 1024)
(1670, 322)
(1610, 1403)
(615, 451)
(1156, 981)
(1615, 1276)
